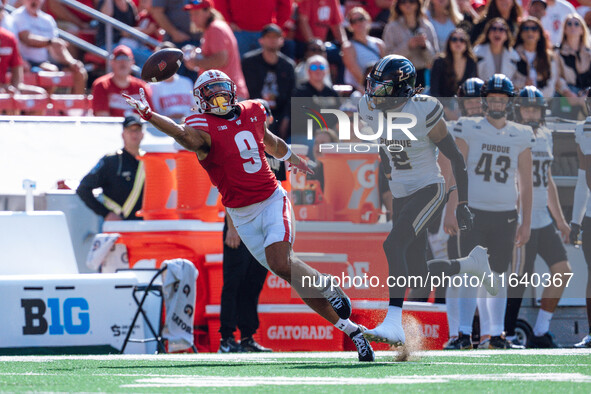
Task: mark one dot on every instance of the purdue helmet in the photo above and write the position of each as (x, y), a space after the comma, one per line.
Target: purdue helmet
(392, 76)
(471, 87)
(530, 96)
(498, 83)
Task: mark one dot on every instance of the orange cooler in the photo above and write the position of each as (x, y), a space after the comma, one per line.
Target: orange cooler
(197, 197)
(351, 185)
(160, 187)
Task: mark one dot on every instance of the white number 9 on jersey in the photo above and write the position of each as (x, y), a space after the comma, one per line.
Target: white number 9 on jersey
(249, 151)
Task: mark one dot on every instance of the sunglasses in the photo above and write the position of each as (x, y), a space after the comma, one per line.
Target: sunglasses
(530, 28)
(498, 28)
(457, 39)
(316, 67)
(356, 20)
(573, 23)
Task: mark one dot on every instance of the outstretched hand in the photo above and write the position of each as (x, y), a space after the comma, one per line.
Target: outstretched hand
(141, 106)
(302, 166)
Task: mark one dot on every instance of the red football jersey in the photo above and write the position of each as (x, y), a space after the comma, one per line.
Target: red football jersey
(236, 162)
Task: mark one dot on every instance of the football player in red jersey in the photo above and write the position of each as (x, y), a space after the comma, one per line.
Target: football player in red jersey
(230, 140)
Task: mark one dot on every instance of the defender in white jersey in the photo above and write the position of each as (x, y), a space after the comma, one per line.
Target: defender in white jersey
(582, 206)
(470, 105)
(544, 240)
(415, 181)
(496, 150)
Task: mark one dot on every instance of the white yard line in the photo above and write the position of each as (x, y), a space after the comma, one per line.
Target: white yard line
(209, 381)
(258, 357)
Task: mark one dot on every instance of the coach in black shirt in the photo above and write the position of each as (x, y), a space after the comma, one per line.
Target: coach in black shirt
(120, 175)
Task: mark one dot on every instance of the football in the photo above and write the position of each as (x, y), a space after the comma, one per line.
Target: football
(162, 65)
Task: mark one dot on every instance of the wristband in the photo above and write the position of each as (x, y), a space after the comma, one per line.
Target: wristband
(287, 155)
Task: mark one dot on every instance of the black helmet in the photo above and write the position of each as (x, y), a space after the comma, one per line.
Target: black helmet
(498, 83)
(392, 76)
(471, 87)
(530, 96)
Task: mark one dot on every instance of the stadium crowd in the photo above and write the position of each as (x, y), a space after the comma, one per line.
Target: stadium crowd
(279, 49)
(544, 43)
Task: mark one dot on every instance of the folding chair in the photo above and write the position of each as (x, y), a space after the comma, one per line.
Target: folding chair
(146, 289)
(153, 288)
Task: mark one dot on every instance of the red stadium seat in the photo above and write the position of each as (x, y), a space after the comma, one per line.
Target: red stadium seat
(53, 79)
(31, 103)
(62, 104)
(29, 78)
(6, 103)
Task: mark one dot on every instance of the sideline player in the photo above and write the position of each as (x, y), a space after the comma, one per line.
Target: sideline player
(498, 154)
(470, 104)
(582, 205)
(530, 110)
(416, 182)
(230, 140)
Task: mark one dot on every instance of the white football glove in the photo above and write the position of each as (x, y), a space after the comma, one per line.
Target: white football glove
(141, 105)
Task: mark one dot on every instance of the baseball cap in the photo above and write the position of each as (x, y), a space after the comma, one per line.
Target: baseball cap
(197, 5)
(121, 52)
(544, 2)
(131, 120)
(271, 28)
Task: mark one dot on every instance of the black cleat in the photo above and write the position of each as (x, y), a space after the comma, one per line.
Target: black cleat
(337, 298)
(545, 341)
(500, 342)
(585, 343)
(462, 342)
(229, 345)
(251, 346)
(364, 349)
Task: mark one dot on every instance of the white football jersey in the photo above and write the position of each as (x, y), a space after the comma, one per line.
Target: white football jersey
(542, 161)
(583, 139)
(415, 166)
(492, 161)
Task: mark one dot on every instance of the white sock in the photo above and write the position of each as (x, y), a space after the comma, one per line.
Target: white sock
(467, 307)
(542, 323)
(452, 304)
(394, 315)
(346, 326)
(483, 312)
(497, 306)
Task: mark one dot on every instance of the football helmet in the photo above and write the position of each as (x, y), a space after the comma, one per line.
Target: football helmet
(214, 93)
(472, 87)
(530, 96)
(391, 76)
(498, 83)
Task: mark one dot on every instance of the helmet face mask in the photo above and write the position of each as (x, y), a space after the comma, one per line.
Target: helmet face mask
(393, 76)
(214, 93)
(502, 85)
(470, 101)
(530, 98)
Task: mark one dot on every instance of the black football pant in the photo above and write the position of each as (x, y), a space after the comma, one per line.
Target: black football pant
(244, 278)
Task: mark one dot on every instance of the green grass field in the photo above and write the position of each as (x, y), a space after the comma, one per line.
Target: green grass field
(560, 370)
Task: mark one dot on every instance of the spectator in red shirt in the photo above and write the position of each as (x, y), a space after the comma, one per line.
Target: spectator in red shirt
(316, 18)
(107, 89)
(70, 19)
(247, 18)
(219, 49)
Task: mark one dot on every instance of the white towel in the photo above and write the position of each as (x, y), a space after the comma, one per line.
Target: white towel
(101, 246)
(179, 286)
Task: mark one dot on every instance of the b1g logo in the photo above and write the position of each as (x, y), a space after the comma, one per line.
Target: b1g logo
(75, 321)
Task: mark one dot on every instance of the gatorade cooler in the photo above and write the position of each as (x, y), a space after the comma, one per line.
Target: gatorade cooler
(197, 197)
(160, 187)
(351, 184)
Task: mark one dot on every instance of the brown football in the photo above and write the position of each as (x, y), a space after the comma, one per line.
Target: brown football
(162, 65)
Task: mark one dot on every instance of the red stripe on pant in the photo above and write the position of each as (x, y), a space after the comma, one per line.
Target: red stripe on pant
(286, 212)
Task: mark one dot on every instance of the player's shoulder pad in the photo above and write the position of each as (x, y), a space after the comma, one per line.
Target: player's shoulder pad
(429, 107)
(255, 109)
(524, 132)
(198, 121)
